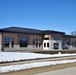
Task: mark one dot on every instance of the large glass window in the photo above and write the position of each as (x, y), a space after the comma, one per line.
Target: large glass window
(67, 42)
(12, 42)
(56, 38)
(6, 41)
(23, 42)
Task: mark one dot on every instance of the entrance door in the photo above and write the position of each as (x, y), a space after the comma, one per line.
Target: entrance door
(46, 44)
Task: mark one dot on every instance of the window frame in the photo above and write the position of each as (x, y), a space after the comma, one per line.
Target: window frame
(6, 41)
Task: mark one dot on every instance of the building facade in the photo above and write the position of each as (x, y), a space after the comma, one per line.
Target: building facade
(16, 38)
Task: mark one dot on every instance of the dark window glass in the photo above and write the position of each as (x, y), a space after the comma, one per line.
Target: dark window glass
(36, 39)
(44, 44)
(47, 44)
(67, 42)
(33, 41)
(23, 42)
(56, 45)
(56, 38)
(36, 42)
(46, 38)
(6, 41)
(12, 42)
(74, 43)
(39, 42)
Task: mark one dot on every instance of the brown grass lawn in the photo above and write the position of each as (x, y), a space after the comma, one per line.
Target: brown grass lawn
(55, 51)
(41, 69)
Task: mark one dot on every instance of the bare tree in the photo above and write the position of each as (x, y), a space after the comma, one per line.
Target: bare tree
(73, 33)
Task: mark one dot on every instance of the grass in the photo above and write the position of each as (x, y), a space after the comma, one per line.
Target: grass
(41, 69)
(55, 51)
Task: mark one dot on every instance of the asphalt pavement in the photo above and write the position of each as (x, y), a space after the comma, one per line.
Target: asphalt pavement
(67, 71)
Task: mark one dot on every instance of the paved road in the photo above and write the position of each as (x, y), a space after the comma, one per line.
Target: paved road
(68, 71)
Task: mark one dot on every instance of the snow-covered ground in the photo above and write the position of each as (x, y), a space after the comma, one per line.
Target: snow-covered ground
(16, 56)
(33, 65)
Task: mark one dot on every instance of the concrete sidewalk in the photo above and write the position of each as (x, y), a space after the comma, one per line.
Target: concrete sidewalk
(68, 71)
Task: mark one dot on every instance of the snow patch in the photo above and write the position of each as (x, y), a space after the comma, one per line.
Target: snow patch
(33, 65)
(16, 56)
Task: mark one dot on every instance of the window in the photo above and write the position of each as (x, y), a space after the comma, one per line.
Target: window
(56, 45)
(74, 43)
(36, 42)
(67, 42)
(44, 44)
(47, 44)
(23, 42)
(39, 42)
(12, 42)
(33, 41)
(56, 38)
(6, 41)
(46, 38)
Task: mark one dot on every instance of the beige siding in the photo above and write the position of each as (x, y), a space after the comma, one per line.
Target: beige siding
(18, 36)
(11, 35)
(56, 35)
(52, 35)
(47, 36)
(0, 39)
(35, 37)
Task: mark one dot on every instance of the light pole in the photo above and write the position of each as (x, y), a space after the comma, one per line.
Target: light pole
(2, 43)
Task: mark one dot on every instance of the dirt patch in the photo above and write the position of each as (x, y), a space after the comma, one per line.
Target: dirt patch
(41, 69)
(55, 51)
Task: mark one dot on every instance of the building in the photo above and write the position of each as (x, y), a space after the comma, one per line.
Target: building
(17, 38)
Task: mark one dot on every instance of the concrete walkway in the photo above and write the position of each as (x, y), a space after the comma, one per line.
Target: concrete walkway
(68, 71)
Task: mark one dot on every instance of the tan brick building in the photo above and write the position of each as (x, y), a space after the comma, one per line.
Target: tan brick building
(17, 38)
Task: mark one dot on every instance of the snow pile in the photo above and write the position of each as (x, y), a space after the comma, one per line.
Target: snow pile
(59, 52)
(15, 56)
(33, 65)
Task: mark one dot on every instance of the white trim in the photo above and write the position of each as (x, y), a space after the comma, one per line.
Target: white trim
(16, 46)
(46, 41)
(51, 42)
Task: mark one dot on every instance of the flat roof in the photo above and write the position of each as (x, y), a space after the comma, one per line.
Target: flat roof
(52, 31)
(66, 35)
(32, 31)
(21, 30)
(28, 30)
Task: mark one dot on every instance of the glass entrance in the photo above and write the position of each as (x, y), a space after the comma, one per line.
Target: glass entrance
(23, 42)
